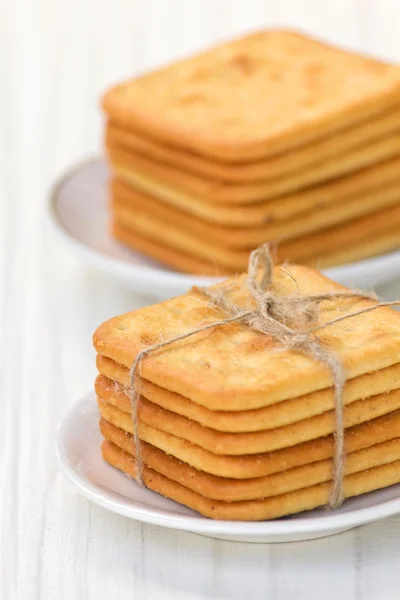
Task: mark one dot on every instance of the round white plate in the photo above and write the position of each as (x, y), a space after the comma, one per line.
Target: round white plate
(78, 451)
(78, 210)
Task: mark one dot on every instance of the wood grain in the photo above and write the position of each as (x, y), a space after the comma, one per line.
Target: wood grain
(56, 59)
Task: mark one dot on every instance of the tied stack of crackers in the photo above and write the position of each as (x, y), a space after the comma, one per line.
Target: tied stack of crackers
(274, 137)
(234, 425)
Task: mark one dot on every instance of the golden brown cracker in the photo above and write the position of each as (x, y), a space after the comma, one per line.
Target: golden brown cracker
(366, 248)
(234, 490)
(323, 149)
(141, 207)
(356, 185)
(253, 510)
(115, 381)
(336, 239)
(250, 466)
(174, 259)
(306, 248)
(255, 96)
(238, 444)
(233, 367)
(168, 183)
(168, 257)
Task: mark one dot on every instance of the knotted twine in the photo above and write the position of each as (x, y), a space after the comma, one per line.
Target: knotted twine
(273, 315)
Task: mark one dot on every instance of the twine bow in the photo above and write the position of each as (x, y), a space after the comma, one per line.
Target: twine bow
(292, 322)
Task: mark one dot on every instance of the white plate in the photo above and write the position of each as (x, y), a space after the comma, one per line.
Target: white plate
(78, 451)
(78, 210)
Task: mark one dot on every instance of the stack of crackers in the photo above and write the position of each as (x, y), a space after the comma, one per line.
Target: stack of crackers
(272, 137)
(233, 425)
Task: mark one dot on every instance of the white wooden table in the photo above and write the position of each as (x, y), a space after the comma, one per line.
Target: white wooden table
(56, 57)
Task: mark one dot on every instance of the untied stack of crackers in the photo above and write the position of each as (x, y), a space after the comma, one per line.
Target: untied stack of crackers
(272, 137)
(235, 426)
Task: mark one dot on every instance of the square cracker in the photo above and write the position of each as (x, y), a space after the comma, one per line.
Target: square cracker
(255, 96)
(114, 381)
(382, 242)
(149, 176)
(324, 149)
(232, 367)
(166, 255)
(233, 490)
(244, 444)
(262, 464)
(130, 208)
(308, 248)
(254, 510)
(372, 179)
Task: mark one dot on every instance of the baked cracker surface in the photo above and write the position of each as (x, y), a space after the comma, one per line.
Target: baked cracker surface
(255, 96)
(232, 367)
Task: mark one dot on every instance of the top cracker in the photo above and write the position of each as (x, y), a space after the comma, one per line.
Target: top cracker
(232, 367)
(256, 96)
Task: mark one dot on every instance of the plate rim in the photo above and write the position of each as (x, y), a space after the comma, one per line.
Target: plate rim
(203, 525)
(127, 269)
(100, 260)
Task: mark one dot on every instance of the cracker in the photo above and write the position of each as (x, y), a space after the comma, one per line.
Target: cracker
(282, 165)
(305, 248)
(149, 176)
(333, 239)
(253, 510)
(384, 242)
(351, 186)
(250, 466)
(233, 490)
(255, 96)
(237, 444)
(115, 380)
(141, 206)
(190, 243)
(366, 248)
(233, 367)
(166, 256)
